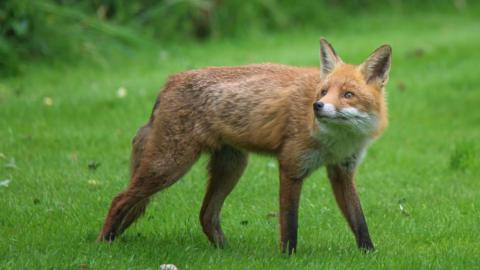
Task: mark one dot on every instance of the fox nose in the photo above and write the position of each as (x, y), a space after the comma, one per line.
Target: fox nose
(318, 105)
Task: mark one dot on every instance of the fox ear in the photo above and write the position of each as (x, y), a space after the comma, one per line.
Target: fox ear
(377, 66)
(328, 58)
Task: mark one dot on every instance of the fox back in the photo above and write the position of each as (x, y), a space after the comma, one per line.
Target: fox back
(252, 107)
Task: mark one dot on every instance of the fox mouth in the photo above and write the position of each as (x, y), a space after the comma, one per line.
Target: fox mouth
(360, 121)
(337, 116)
(329, 118)
(347, 116)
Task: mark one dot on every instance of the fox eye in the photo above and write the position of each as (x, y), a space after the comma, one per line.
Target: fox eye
(348, 94)
(323, 92)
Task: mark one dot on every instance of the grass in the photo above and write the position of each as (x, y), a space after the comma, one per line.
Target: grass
(419, 183)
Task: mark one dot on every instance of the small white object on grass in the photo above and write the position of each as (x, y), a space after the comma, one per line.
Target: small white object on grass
(48, 101)
(93, 184)
(121, 92)
(168, 266)
(5, 183)
(271, 165)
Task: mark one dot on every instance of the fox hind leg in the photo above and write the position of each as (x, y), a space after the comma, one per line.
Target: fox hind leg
(124, 210)
(138, 146)
(225, 169)
(152, 174)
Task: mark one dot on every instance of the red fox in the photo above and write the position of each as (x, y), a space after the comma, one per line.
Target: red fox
(306, 117)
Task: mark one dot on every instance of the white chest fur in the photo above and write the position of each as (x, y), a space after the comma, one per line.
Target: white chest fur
(336, 144)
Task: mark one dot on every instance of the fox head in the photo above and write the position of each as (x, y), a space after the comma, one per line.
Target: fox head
(353, 95)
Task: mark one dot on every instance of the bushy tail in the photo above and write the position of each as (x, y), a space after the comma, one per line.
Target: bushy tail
(138, 145)
(138, 142)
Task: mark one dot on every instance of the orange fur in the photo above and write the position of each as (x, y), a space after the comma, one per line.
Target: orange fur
(264, 108)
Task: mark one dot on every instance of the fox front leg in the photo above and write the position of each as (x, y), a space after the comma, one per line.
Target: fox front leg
(290, 189)
(342, 179)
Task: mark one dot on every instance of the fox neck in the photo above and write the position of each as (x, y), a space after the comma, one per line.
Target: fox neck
(337, 144)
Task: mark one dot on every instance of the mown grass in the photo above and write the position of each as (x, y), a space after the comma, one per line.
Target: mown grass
(419, 183)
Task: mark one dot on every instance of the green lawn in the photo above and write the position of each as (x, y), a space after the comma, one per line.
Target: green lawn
(419, 184)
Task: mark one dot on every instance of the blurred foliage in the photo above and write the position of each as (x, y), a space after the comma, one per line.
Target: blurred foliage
(67, 29)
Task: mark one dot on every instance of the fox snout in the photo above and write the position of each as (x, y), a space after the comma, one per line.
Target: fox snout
(329, 111)
(318, 105)
(323, 109)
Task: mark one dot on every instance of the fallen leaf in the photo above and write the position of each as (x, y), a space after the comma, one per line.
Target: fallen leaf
(401, 205)
(93, 183)
(93, 165)
(121, 92)
(5, 183)
(271, 215)
(271, 165)
(168, 266)
(48, 101)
